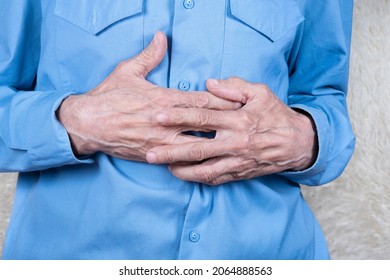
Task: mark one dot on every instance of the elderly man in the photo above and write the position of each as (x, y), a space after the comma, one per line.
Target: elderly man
(171, 129)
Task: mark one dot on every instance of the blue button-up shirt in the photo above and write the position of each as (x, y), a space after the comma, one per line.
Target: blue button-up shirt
(100, 207)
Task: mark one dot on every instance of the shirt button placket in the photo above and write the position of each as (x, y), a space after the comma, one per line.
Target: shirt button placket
(188, 4)
(184, 85)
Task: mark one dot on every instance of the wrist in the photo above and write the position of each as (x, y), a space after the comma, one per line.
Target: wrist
(70, 115)
(308, 140)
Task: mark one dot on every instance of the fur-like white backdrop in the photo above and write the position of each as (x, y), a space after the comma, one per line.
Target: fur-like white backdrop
(354, 211)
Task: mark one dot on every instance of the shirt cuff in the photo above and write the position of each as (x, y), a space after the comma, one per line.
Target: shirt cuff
(48, 141)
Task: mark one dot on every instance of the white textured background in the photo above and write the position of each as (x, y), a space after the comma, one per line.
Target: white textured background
(354, 211)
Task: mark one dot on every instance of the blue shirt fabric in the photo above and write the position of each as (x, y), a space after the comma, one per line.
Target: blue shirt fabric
(100, 207)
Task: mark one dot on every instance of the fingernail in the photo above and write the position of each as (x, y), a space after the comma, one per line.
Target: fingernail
(151, 157)
(237, 105)
(155, 39)
(213, 82)
(161, 118)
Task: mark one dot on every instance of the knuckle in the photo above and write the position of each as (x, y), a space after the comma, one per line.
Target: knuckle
(246, 118)
(121, 67)
(122, 64)
(262, 88)
(204, 118)
(245, 122)
(234, 79)
(243, 169)
(235, 176)
(169, 156)
(215, 183)
(221, 180)
(145, 54)
(197, 152)
(238, 168)
(201, 101)
(140, 62)
(177, 119)
(206, 176)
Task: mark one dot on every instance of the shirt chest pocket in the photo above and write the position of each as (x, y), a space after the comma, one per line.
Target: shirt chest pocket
(93, 36)
(271, 18)
(258, 34)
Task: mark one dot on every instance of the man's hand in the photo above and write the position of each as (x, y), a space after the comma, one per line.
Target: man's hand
(265, 136)
(118, 117)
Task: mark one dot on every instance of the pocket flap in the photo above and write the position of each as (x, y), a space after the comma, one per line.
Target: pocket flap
(94, 16)
(272, 18)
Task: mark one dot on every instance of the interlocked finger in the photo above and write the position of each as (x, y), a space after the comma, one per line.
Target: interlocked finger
(196, 118)
(202, 99)
(188, 152)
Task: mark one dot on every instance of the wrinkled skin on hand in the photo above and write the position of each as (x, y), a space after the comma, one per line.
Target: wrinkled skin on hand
(265, 136)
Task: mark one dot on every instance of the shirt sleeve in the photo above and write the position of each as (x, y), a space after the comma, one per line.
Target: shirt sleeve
(319, 65)
(31, 138)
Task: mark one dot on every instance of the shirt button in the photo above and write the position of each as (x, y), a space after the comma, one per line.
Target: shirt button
(194, 236)
(184, 85)
(188, 4)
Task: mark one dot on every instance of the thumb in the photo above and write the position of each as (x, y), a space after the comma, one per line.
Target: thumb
(149, 58)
